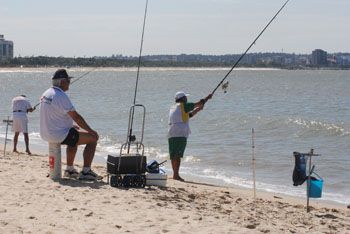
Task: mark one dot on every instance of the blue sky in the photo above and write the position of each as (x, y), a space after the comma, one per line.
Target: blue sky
(106, 27)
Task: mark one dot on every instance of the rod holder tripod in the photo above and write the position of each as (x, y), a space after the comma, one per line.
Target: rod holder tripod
(8, 122)
(310, 155)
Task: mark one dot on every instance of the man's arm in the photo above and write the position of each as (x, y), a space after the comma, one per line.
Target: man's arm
(82, 123)
(198, 106)
(195, 110)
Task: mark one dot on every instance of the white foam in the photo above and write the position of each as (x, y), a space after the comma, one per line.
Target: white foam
(318, 125)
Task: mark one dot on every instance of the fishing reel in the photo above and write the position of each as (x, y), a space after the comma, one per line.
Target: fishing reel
(132, 138)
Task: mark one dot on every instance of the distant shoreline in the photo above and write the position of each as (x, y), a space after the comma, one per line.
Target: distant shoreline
(161, 68)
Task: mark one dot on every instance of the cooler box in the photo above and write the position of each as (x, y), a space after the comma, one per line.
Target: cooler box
(156, 179)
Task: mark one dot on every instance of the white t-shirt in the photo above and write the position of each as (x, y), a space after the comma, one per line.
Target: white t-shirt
(178, 122)
(54, 119)
(20, 105)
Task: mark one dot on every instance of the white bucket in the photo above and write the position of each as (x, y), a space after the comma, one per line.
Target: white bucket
(55, 161)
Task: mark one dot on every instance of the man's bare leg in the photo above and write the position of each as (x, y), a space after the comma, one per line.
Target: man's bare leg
(175, 163)
(89, 152)
(15, 140)
(26, 140)
(71, 152)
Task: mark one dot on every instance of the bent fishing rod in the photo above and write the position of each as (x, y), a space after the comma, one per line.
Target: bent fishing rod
(76, 79)
(131, 137)
(241, 57)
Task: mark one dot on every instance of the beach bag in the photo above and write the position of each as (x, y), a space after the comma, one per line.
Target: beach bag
(299, 172)
(153, 166)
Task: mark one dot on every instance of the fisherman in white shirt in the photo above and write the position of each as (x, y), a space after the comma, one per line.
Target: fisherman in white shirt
(179, 128)
(57, 115)
(20, 107)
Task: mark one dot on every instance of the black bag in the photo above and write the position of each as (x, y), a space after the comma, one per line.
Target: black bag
(152, 167)
(299, 172)
(128, 164)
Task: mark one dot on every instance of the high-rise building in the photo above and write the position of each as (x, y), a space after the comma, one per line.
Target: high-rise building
(6, 48)
(319, 57)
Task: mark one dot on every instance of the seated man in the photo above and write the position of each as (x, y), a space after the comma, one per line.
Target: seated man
(57, 114)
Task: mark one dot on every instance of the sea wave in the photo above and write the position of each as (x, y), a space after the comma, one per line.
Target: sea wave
(220, 177)
(315, 125)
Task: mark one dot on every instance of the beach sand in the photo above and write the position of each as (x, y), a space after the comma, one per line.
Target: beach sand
(30, 202)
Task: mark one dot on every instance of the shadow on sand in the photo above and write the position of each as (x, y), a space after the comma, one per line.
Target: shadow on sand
(82, 183)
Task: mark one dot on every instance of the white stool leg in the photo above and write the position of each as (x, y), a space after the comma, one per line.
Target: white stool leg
(55, 161)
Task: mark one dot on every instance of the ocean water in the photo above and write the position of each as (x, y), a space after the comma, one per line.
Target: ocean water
(289, 111)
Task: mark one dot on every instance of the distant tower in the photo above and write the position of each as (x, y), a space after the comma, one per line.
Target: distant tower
(319, 57)
(6, 48)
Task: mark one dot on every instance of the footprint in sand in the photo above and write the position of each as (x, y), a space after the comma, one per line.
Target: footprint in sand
(328, 216)
(192, 196)
(89, 214)
(264, 230)
(3, 223)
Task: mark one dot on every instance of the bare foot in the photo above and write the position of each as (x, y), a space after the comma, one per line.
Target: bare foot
(178, 178)
(15, 151)
(28, 152)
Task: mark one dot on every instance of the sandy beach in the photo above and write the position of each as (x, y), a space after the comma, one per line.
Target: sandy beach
(30, 202)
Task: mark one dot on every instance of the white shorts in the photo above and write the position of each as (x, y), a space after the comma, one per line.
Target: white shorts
(20, 124)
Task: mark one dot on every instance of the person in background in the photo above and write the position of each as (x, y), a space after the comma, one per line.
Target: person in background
(57, 114)
(179, 128)
(20, 107)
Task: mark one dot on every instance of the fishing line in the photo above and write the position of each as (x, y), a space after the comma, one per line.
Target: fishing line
(241, 57)
(131, 138)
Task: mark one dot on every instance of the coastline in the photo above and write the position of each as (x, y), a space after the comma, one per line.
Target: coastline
(31, 202)
(163, 68)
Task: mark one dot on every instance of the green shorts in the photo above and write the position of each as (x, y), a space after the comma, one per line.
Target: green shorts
(177, 146)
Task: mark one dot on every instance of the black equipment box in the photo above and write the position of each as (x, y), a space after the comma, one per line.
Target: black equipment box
(128, 164)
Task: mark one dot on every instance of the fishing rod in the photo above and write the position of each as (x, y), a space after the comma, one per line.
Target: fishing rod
(241, 57)
(85, 74)
(76, 79)
(131, 137)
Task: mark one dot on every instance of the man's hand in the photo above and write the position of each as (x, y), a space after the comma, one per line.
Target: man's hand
(76, 127)
(31, 109)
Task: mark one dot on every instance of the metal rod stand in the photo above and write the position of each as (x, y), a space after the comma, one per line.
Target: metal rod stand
(309, 178)
(8, 122)
(253, 162)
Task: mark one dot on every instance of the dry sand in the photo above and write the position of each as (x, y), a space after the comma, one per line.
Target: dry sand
(30, 202)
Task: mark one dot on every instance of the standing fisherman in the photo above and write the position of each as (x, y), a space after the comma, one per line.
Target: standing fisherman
(20, 107)
(179, 128)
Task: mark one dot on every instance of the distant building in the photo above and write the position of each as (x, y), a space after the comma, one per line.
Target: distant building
(319, 57)
(6, 48)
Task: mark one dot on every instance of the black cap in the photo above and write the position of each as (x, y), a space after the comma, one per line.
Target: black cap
(61, 74)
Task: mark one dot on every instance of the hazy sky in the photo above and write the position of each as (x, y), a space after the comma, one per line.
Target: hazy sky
(106, 27)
